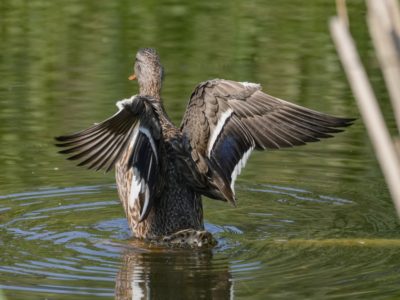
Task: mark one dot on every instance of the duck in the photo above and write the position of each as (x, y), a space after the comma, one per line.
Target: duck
(162, 171)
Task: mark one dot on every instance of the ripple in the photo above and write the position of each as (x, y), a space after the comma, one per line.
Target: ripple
(45, 193)
(50, 237)
(74, 241)
(300, 194)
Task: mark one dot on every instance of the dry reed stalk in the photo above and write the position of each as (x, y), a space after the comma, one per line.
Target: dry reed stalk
(342, 11)
(382, 26)
(368, 107)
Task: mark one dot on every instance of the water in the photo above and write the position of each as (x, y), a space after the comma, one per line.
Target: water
(314, 222)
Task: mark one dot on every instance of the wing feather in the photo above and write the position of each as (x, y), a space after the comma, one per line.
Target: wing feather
(255, 120)
(135, 128)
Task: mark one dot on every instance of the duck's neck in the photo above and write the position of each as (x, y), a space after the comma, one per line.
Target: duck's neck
(152, 89)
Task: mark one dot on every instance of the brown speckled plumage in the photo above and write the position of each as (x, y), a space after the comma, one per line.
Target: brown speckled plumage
(162, 170)
(177, 207)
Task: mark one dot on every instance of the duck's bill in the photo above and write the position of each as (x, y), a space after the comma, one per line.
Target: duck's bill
(132, 77)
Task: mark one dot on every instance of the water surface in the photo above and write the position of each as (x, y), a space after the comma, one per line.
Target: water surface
(314, 222)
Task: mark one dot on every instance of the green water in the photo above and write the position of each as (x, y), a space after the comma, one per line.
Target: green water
(315, 222)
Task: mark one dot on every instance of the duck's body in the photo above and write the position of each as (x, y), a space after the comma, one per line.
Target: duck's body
(176, 206)
(162, 170)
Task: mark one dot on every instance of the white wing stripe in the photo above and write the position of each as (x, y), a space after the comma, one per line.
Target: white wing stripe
(134, 136)
(251, 85)
(146, 201)
(139, 186)
(146, 132)
(136, 182)
(136, 186)
(217, 130)
(241, 164)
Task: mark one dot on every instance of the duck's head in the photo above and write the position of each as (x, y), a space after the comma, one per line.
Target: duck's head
(149, 72)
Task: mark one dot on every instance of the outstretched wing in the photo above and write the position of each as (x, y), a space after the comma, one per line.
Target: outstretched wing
(135, 132)
(226, 120)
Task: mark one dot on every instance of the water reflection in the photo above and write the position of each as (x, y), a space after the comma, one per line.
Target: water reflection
(170, 274)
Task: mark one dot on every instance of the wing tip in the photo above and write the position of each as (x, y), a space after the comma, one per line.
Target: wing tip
(65, 151)
(61, 138)
(349, 121)
(342, 122)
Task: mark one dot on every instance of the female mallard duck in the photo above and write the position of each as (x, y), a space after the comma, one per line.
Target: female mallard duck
(162, 170)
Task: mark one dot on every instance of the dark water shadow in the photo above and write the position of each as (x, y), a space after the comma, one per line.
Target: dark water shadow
(172, 274)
